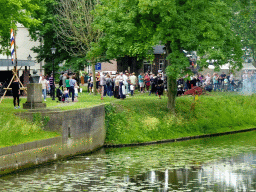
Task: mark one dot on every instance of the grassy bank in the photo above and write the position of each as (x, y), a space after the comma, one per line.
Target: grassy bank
(145, 118)
(142, 118)
(15, 130)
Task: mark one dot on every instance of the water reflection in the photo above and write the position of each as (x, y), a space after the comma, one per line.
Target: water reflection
(214, 164)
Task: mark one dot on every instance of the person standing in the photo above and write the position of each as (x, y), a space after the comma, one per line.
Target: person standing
(208, 79)
(72, 83)
(215, 81)
(141, 82)
(64, 80)
(147, 82)
(160, 86)
(44, 87)
(122, 90)
(116, 89)
(61, 80)
(103, 85)
(125, 83)
(133, 80)
(109, 85)
(98, 82)
(16, 92)
(225, 84)
(231, 80)
(40, 78)
(67, 83)
(129, 82)
(153, 85)
(90, 83)
(82, 79)
(51, 83)
(223, 76)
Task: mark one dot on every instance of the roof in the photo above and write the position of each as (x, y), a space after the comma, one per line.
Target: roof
(158, 49)
(8, 62)
(248, 66)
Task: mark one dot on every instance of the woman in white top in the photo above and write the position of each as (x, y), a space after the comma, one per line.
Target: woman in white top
(208, 79)
(44, 87)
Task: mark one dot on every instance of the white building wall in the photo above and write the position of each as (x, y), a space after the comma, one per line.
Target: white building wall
(24, 44)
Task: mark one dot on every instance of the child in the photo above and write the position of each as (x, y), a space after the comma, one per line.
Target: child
(66, 94)
(225, 84)
(76, 90)
(132, 89)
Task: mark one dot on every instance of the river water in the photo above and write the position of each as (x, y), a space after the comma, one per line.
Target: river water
(226, 163)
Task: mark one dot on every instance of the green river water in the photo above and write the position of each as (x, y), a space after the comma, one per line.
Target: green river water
(226, 163)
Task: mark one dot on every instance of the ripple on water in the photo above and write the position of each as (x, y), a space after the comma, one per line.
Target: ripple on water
(211, 164)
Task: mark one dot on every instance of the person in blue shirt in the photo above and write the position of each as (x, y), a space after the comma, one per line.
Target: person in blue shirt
(141, 82)
(72, 84)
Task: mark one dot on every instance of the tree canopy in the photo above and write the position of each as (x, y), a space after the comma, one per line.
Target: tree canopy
(11, 13)
(244, 24)
(133, 27)
(74, 29)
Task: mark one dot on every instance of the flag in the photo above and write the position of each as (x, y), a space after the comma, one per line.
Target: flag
(12, 45)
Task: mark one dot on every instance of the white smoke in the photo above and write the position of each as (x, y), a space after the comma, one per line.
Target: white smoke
(249, 83)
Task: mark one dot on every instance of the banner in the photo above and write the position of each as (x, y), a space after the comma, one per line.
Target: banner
(12, 45)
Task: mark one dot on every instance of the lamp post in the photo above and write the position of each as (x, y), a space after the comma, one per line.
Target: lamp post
(53, 50)
(29, 59)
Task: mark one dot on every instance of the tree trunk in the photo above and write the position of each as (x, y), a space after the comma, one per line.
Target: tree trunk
(171, 94)
(94, 78)
(171, 84)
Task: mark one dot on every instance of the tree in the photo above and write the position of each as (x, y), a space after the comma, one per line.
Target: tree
(11, 13)
(133, 27)
(47, 36)
(74, 28)
(244, 24)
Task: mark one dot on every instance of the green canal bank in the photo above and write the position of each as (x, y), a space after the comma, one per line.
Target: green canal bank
(141, 119)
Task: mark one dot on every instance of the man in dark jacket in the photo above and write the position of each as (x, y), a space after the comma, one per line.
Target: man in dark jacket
(16, 92)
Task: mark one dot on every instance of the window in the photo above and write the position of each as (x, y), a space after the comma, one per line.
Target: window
(89, 69)
(161, 64)
(147, 66)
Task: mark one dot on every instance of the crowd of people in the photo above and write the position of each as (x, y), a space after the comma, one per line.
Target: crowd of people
(121, 85)
(68, 87)
(208, 82)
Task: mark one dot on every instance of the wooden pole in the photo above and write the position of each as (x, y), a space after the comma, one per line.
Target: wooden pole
(14, 73)
(7, 88)
(15, 50)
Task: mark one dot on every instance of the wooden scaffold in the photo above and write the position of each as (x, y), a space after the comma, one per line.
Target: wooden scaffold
(14, 71)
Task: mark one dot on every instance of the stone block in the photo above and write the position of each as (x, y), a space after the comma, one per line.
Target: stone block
(30, 145)
(28, 105)
(6, 150)
(34, 91)
(42, 143)
(17, 148)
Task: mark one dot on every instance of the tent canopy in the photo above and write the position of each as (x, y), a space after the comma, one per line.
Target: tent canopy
(8, 62)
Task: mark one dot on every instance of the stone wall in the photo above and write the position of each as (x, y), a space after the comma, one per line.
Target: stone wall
(82, 131)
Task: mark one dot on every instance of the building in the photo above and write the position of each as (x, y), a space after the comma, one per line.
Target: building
(25, 56)
(110, 66)
(133, 65)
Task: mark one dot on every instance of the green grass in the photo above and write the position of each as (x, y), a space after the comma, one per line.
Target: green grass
(142, 118)
(15, 130)
(147, 119)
